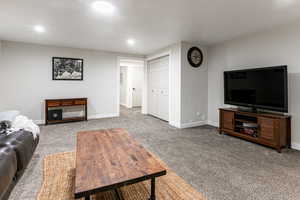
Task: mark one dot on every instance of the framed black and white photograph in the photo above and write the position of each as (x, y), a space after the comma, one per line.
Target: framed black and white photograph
(67, 69)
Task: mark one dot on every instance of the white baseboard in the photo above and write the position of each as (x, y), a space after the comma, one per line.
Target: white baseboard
(101, 116)
(175, 124)
(125, 105)
(193, 124)
(39, 122)
(215, 124)
(296, 146)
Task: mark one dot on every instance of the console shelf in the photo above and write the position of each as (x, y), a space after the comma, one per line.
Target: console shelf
(242, 120)
(272, 130)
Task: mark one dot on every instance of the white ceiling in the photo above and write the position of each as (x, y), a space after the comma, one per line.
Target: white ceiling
(152, 23)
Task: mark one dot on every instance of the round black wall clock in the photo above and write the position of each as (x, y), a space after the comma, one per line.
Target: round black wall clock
(195, 57)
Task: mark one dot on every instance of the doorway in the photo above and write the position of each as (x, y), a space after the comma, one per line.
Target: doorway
(131, 83)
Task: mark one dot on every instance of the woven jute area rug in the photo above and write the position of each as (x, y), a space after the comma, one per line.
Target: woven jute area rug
(59, 177)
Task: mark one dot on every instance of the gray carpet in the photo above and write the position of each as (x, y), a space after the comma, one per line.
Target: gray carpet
(219, 166)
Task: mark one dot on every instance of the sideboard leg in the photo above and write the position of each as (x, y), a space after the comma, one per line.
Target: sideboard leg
(279, 149)
(220, 131)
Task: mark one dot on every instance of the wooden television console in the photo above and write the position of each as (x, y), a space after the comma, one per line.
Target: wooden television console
(272, 130)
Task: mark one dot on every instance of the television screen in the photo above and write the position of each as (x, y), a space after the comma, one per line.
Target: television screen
(264, 88)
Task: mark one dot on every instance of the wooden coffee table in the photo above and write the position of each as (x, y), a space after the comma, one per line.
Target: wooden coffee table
(110, 159)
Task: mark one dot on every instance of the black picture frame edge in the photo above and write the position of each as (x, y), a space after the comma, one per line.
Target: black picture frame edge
(189, 56)
(53, 78)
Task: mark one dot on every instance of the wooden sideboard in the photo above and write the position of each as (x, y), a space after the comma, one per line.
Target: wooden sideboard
(60, 104)
(272, 130)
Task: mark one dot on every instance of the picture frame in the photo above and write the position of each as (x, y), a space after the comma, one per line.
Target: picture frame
(67, 69)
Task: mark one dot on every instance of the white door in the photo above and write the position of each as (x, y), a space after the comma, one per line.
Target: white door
(137, 86)
(158, 88)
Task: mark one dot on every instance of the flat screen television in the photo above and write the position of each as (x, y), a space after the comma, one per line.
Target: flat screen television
(263, 88)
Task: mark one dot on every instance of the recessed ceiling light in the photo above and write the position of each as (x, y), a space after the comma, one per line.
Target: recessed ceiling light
(103, 7)
(39, 29)
(131, 42)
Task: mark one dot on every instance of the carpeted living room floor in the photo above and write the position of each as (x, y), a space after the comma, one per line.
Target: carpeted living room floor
(219, 166)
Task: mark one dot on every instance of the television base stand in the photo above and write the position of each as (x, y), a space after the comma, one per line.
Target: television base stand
(248, 109)
(272, 130)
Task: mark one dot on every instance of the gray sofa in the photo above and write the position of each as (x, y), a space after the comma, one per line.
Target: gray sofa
(16, 151)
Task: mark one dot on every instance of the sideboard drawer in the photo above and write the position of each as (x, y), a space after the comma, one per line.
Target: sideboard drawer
(80, 102)
(53, 103)
(67, 103)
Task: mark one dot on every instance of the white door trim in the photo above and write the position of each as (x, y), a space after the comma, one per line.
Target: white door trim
(156, 56)
(119, 58)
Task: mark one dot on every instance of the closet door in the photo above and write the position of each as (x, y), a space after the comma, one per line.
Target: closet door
(164, 89)
(158, 88)
(153, 93)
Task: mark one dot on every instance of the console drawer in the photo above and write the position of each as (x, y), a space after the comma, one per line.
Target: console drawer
(268, 126)
(79, 102)
(53, 103)
(228, 120)
(67, 103)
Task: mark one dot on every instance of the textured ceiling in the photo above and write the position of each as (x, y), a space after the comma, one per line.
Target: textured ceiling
(152, 23)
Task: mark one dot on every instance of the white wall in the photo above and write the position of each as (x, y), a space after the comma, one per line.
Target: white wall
(0, 48)
(188, 91)
(174, 52)
(193, 89)
(1, 59)
(26, 79)
(123, 86)
(279, 46)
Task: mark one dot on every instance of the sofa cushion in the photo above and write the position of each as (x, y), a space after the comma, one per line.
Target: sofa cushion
(23, 144)
(8, 168)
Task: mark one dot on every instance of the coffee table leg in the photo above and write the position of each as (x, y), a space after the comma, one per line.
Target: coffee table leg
(87, 198)
(119, 196)
(152, 197)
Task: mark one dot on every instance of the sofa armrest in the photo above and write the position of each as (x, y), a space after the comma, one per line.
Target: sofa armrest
(23, 143)
(8, 169)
